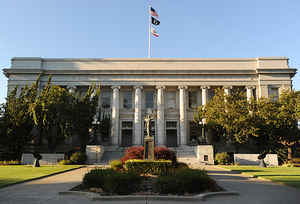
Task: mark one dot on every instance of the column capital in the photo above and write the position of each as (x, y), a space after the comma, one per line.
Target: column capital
(183, 87)
(115, 87)
(227, 87)
(138, 87)
(250, 87)
(205, 87)
(160, 87)
(71, 88)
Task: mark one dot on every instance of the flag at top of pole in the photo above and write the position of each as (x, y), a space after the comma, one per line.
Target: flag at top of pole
(154, 21)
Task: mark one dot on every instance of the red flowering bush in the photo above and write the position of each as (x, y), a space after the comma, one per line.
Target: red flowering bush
(160, 153)
(133, 153)
(164, 153)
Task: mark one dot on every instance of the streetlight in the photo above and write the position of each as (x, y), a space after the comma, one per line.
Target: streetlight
(202, 131)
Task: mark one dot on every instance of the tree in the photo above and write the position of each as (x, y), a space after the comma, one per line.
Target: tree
(83, 113)
(15, 121)
(51, 114)
(278, 122)
(229, 114)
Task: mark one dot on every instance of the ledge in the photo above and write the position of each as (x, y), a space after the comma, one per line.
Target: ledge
(199, 197)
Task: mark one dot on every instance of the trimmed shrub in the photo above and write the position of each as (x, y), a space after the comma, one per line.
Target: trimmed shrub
(185, 181)
(65, 162)
(181, 165)
(222, 158)
(156, 167)
(163, 153)
(78, 158)
(112, 181)
(116, 164)
(136, 152)
(10, 162)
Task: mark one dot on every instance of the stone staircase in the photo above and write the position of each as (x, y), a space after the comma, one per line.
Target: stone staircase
(187, 155)
(112, 153)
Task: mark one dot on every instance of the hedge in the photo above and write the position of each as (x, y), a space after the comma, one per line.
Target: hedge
(154, 167)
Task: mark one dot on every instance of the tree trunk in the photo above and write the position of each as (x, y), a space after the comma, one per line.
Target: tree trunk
(290, 153)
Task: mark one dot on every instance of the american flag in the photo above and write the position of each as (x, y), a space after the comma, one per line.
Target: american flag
(153, 12)
(154, 33)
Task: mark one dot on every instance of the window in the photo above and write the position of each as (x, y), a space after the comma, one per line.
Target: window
(205, 158)
(273, 93)
(127, 100)
(171, 99)
(192, 99)
(149, 99)
(105, 100)
(127, 132)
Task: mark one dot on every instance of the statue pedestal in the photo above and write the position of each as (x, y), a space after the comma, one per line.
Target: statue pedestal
(149, 148)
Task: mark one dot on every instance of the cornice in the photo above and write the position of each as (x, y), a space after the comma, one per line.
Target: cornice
(145, 59)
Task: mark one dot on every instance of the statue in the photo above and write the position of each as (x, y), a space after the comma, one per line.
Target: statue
(148, 140)
(148, 123)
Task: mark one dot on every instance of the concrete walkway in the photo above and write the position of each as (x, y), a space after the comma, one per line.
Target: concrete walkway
(251, 190)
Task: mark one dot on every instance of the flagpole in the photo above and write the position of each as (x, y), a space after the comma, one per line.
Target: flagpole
(149, 37)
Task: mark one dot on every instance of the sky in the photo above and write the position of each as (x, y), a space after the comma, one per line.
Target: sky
(119, 29)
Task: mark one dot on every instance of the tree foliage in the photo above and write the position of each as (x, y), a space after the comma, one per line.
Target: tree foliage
(229, 116)
(273, 123)
(83, 113)
(15, 120)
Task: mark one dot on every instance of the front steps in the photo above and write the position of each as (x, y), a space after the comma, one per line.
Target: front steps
(112, 153)
(186, 154)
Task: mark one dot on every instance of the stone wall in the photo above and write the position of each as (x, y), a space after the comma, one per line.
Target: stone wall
(205, 153)
(94, 153)
(48, 159)
(252, 159)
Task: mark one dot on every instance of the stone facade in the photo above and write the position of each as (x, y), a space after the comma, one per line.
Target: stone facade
(169, 88)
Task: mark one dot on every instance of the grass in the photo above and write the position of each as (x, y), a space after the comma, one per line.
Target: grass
(286, 175)
(19, 173)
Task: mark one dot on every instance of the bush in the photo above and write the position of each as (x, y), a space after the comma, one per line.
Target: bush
(159, 167)
(181, 165)
(10, 162)
(116, 165)
(78, 158)
(65, 162)
(112, 181)
(133, 153)
(185, 181)
(163, 153)
(222, 158)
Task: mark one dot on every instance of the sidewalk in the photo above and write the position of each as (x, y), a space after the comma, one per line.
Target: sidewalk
(252, 191)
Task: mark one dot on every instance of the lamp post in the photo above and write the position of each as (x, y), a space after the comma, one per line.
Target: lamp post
(202, 131)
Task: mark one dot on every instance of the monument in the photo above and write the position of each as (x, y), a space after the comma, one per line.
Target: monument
(148, 140)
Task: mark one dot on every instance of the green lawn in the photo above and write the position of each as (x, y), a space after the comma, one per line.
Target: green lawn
(19, 173)
(287, 175)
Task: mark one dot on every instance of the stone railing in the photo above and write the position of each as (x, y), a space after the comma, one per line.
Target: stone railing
(47, 159)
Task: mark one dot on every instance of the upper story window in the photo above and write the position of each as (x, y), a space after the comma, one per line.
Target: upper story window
(105, 99)
(149, 99)
(171, 99)
(192, 99)
(274, 93)
(127, 100)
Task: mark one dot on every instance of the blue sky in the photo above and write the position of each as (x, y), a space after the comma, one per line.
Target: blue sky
(119, 28)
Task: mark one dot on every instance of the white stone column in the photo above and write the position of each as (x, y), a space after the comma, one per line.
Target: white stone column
(227, 90)
(161, 136)
(71, 89)
(182, 111)
(138, 116)
(204, 94)
(115, 115)
(249, 90)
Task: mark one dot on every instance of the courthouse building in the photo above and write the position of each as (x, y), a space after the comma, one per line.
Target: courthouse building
(170, 88)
